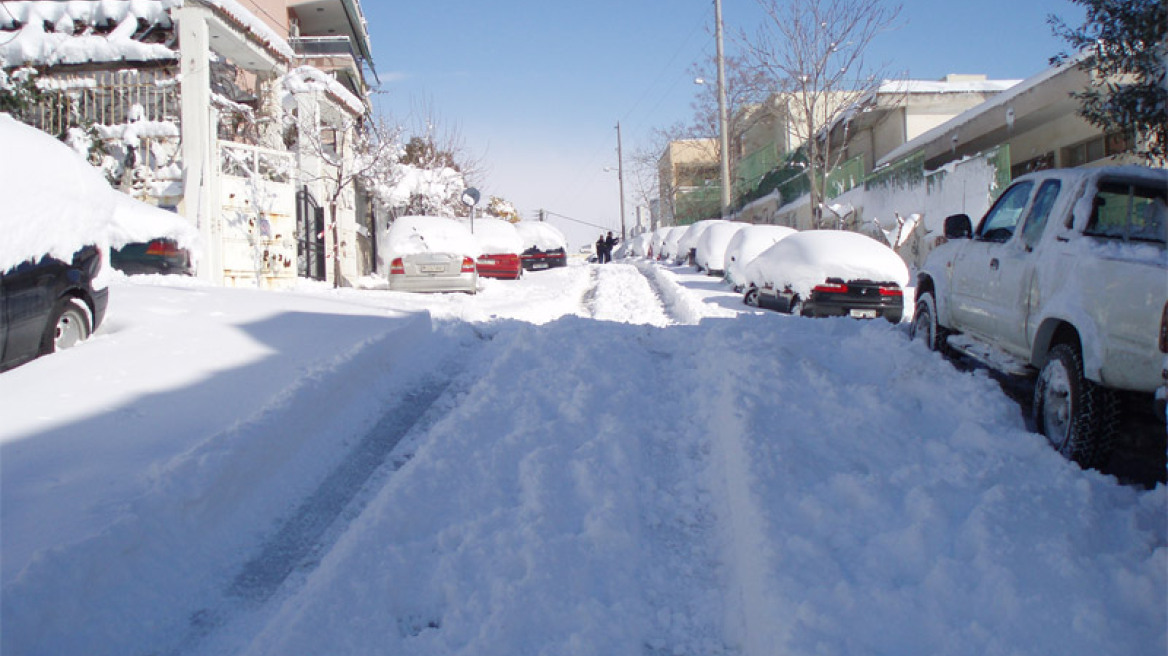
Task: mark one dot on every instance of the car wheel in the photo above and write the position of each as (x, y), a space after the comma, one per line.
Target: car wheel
(751, 297)
(69, 325)
(1077, 415)
(925, 327)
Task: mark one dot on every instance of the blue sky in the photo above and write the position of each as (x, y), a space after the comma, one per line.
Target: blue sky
(535, 89)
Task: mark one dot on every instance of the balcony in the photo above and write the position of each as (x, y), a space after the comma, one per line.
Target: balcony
(324, 46)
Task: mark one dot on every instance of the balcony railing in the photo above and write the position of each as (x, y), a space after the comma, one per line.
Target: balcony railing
(324, 46)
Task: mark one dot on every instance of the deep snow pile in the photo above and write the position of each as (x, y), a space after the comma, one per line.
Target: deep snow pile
(592, 460)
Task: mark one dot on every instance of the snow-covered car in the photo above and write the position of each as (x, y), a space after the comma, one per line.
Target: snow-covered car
(161, 256)
(48, 304)
(431, 254)
(824, 273)
(545, 247)
(59, 219)
(688, 242)
(710, 254)
(1065, 278)
(669, 242)
(501, 246)
(746, 245)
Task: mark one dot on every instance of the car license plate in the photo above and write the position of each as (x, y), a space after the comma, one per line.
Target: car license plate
(863, 314)
(486, 261)
(539, 265)
(432, 268)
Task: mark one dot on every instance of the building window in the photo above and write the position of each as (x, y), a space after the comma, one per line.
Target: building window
(1091, 150)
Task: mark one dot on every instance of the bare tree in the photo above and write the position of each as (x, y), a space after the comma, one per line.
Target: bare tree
(814, 50)
(359, 150)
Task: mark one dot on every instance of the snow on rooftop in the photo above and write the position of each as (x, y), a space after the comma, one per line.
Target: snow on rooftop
(307, 79)
(73, 41)
(965, 117)
(32, 44)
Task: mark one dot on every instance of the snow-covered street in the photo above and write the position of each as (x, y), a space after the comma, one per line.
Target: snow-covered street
(618, 459)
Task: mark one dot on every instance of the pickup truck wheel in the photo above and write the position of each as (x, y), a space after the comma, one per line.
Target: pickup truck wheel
(925, 327)
(1075, 414)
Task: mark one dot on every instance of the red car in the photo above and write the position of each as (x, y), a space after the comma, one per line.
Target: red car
(506, 266)
(500, 246)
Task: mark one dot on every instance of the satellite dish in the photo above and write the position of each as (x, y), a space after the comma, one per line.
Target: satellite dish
(471, 197)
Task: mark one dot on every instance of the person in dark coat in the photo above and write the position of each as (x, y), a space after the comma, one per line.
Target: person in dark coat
(600, 246)
(610, 243)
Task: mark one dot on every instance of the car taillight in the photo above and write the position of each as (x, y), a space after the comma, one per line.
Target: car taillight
(397, 266)
(468, 265)
(1164, 330)
(831, 288)
(891, 291)
(162, 248)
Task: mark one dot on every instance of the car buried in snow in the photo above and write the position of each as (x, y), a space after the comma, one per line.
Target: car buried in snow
(501, 246)
(545, 247)
(746, 245)
(828, 273)
(710, 253)
(431, 254)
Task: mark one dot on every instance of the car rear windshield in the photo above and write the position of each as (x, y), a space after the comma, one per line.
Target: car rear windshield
(1129, 211)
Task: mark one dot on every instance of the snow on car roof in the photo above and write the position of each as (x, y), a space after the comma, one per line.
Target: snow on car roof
(55, 202)
(497, 236)
(541, 235)
(711, 246)
(747, 244)
(408, 235)
(806, 259)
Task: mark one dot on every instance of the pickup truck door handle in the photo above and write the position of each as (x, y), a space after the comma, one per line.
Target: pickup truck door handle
(994, 264)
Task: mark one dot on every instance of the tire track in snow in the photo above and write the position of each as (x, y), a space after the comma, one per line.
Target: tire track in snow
(296, 547)
(749, 607)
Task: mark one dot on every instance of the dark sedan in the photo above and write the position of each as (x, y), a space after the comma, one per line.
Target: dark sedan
(47, 305)
(157, 256)
(534, 259)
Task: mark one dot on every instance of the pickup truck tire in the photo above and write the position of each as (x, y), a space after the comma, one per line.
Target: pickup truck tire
(1075, 414)
(925, 327)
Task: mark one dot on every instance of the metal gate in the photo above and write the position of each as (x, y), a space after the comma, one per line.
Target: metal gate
(310, 236)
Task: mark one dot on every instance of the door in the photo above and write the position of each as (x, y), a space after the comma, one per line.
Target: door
(976, 281)
(310, 261)
(1013, 268)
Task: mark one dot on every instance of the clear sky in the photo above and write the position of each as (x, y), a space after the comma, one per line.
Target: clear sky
(536, 88)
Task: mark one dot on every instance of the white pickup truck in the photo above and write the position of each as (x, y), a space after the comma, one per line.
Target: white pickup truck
(1066, 278)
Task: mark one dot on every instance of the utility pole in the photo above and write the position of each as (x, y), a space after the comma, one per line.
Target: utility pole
(620, 176)
(723, 120)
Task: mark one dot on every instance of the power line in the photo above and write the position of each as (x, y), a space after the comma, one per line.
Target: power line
(591, 225)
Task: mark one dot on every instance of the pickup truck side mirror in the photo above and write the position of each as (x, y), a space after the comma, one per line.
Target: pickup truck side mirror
(958, 226)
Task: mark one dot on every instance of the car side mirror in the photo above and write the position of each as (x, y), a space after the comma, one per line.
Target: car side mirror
(958, 226)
